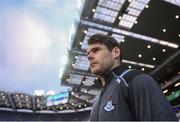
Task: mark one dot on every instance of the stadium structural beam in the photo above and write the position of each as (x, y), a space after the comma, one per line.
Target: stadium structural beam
(71, 106)
(166, 62)
(82, 93)
(9, 97)
(84, 101)
(33, 104)
(109, 28)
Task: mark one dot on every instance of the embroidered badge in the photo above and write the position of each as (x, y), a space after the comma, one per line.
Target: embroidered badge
(109, 106)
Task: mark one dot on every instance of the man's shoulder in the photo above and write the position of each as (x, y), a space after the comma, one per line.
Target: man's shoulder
(144, 80)
(131, 74)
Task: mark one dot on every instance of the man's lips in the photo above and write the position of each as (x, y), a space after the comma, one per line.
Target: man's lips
(92, 64)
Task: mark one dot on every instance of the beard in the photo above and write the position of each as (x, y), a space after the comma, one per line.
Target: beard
(99, 70)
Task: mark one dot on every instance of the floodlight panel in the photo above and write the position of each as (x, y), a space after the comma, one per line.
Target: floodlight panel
(90, 32)
(89, 81)
(118, 37)
(82, 63)
(105, 14)
(133, 11)
(75, 79)
(110, 4)
(137, 4)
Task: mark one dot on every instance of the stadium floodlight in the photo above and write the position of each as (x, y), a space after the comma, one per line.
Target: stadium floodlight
(50, 92)
(39, 92)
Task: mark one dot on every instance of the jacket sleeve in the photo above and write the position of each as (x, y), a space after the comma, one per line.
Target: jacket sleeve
(147, 100)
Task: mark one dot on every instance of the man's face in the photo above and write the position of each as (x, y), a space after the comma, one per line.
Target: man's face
(101, 59)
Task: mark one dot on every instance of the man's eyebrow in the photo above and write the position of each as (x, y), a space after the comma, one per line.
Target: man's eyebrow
(88, 51)
(94, 48)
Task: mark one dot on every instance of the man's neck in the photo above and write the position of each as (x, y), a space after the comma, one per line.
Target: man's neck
(102, 78)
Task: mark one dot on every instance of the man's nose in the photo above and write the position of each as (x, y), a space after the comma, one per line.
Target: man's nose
(89, 56)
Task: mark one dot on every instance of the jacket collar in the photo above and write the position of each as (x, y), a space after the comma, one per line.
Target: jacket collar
(118, 71)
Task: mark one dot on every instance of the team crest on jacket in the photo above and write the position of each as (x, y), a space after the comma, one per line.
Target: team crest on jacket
(109, 106)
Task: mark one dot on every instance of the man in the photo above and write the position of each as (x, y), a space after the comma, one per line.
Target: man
(127, 94)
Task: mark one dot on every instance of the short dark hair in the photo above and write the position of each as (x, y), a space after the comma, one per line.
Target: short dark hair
(108, 41)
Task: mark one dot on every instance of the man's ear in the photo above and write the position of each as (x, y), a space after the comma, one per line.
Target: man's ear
(116, 52)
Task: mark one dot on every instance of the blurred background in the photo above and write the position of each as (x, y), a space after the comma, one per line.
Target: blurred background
(44, 72)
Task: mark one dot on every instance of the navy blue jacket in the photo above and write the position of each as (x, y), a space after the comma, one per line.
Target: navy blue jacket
(139, 98)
